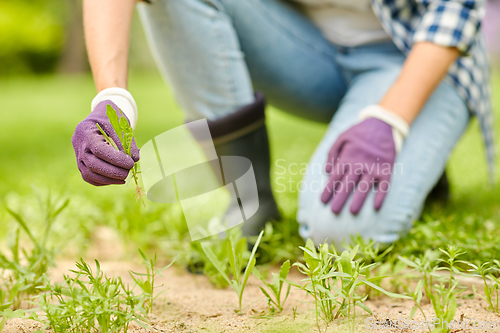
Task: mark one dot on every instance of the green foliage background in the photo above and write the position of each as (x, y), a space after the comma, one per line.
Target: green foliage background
(31, 35)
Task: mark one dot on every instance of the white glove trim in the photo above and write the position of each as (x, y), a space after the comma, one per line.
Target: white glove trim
(122, 98)
(400, 128)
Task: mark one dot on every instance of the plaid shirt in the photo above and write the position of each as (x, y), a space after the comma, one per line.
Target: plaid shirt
(453, 23)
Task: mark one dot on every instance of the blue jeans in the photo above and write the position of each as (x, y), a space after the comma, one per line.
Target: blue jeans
(214, 53)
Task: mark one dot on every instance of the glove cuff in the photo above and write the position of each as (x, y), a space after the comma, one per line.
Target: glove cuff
(400, 128)
(122, 98)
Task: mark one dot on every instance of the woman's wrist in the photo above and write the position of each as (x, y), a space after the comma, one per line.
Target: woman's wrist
(122, 98)
(103, 82)
(400, 128)
(396, 102)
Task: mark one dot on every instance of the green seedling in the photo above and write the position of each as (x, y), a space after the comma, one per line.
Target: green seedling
(442, 291)
(397, 272)
(377, 259)
(318, 263)
(91, 302)
(416, 296)
(234, 253)
(192, 254)
(7, 314)
(450, 289)
(23, 269)
(146, 281)
(272, 290)
(359, 275)
(199, 262)
(294, 312)
(125, 134)
(491, 282)
(426, 267)
(334, 282)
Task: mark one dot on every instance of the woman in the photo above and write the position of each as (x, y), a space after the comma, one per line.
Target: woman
(396, 81)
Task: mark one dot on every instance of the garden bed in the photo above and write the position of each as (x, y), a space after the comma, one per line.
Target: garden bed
(189, 303)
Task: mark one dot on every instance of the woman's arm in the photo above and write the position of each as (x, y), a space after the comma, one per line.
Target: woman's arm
(107, 34)
(107, 31)
(423, 70)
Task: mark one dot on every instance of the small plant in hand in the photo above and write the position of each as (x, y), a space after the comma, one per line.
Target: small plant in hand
(235, 253)
(125, 133)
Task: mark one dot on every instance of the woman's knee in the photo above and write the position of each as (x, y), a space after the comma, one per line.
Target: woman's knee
(385, 226)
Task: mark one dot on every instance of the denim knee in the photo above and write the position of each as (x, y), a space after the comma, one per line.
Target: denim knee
(385, 226)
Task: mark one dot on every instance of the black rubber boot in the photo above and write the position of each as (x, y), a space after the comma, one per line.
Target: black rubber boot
(441, 191)
(243, 133)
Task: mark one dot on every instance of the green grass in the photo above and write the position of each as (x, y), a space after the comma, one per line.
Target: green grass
(89, 301)
(40, 113)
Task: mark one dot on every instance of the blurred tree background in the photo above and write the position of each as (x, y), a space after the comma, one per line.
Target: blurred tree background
(31, 35)
(46, 36)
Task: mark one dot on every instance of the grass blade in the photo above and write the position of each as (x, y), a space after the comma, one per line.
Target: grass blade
(23, 225)
(388, 293)
(232, 259)
(215, 261)
(107, 138)
(285, 269)
(114, 120)
(250, 267)
(127, 135)
(251, 260)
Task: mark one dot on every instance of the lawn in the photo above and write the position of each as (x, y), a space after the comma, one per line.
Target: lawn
(40, 114)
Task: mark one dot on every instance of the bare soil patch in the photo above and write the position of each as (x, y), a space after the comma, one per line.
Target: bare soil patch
(190, 303)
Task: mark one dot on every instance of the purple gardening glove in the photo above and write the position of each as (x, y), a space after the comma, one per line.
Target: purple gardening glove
(362, 157)
(99, 163)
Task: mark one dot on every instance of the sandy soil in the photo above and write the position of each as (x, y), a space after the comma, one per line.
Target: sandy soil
(191, 304)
